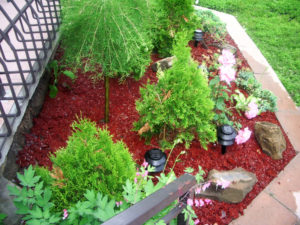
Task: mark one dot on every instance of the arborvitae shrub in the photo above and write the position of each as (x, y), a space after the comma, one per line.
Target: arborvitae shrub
(90, 161)
(179, 105)
(171, 16)
(113, 33)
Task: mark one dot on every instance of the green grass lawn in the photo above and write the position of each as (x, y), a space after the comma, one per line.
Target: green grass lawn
(274, 25)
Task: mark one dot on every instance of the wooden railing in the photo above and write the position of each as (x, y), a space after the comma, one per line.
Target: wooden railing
(142, 211)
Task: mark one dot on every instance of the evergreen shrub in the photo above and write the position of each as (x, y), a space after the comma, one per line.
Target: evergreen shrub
(170, 17)
(90, 161)
(113, 33)
(179, 105)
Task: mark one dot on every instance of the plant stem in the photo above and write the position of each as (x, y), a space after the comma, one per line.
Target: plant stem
(106, 119)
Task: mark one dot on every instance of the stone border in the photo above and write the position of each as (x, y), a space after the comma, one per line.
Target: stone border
(279, 202)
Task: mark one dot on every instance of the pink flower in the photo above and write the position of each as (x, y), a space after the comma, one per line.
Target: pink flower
(190, 202)
(145, 164)
(198, 190)
(135, 180)
(207, 201)
(243, 136)
(224, 184)
(119, 203)
(197, 221)
(145, 174)
(197, 203)
(201, 203)
(227, 74)
(137, 174)
(253, 110)
(65, 214)
(205, 186)
(227, 58)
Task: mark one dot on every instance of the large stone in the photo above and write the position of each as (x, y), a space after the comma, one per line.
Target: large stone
(163, 64)
(7, 206)
(240, 183)
(270, 139)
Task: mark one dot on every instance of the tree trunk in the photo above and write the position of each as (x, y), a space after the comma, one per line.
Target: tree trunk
(106, 80)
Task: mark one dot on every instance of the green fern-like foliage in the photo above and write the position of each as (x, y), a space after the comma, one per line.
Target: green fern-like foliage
(171, 17)
(179, 105)
(90, 161)
(212, 24)
(113, 33)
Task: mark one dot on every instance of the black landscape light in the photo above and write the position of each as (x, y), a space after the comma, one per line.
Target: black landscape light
(226, 136)
(156, 158)
(198, 37)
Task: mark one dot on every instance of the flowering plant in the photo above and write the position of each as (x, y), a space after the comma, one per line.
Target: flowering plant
(243, 136)
(227, 72)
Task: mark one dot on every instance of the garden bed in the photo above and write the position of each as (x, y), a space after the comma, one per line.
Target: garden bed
(85, 98)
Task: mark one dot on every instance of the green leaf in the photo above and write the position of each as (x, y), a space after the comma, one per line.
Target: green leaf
(189, 170)
(22, 209)
(69, 74)
(36, 212)
(52, 91)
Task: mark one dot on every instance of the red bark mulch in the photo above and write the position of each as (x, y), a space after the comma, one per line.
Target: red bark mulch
(85, 98)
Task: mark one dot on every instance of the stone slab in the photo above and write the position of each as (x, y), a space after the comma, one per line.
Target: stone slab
(265, 210)
(286, 188)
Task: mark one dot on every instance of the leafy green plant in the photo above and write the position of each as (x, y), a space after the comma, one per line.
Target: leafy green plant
(211, 24)
(247, 81)
(179, 105)
(241, 101)
(33, 200)
(115, 34)
(2, 217)
(53, 65)
(266, 100)
(91, 160)
(171, 17)
(220, 94)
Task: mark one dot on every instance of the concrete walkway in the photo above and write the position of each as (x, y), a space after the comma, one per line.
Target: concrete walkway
(279, 202)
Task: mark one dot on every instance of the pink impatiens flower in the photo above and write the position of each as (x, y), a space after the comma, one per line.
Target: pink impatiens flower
(227, 58)
(227, 74)
(197, 221)
(253, 110)
(243, 136)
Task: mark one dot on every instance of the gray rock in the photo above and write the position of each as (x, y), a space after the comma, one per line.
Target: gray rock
(241, 183)
(163, 64)
(270, 139)
(7, 206)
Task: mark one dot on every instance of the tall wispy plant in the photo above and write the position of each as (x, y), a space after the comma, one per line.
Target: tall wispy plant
(113, 33)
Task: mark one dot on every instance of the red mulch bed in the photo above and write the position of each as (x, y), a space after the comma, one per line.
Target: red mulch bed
(85, 98)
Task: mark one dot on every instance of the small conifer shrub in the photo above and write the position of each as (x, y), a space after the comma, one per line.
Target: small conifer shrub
(114, 34)
(179, 105)
(171, 17)
(90, 161)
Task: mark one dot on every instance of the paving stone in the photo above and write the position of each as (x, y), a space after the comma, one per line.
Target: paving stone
(265, 210)
(286, 188)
